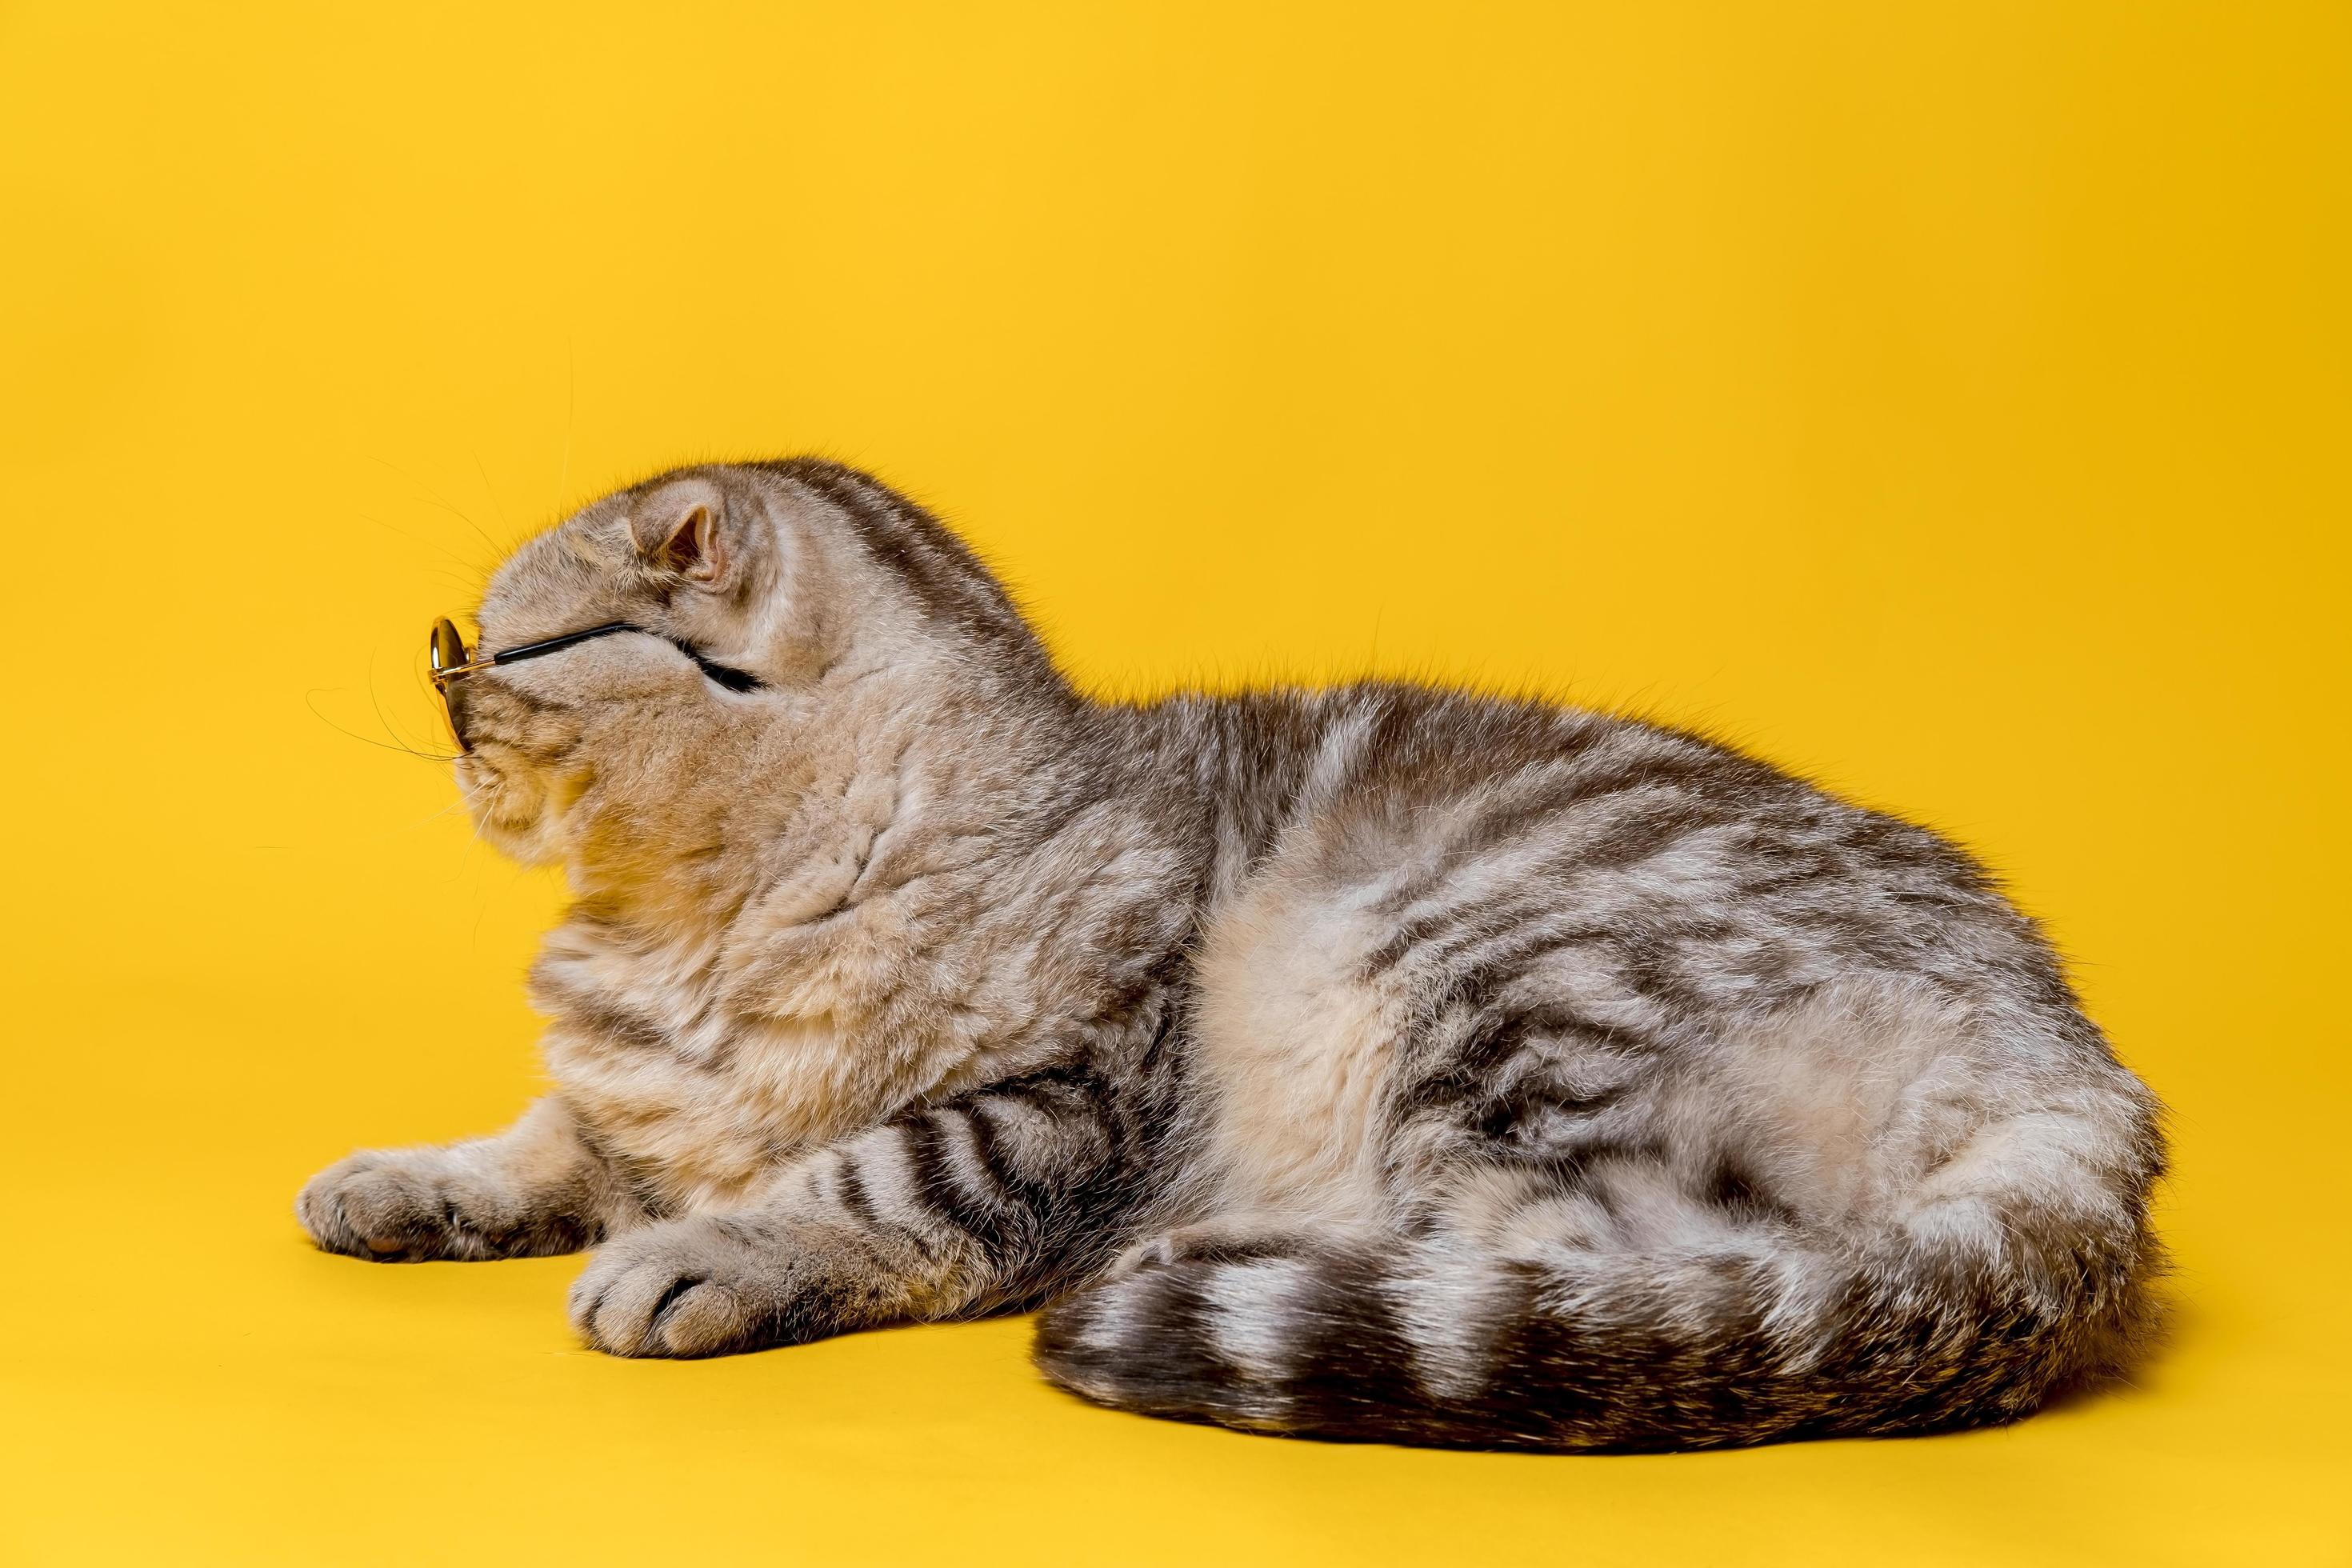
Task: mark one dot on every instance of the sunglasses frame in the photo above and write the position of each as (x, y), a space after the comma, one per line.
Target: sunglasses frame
(446, 639)
(448, 657)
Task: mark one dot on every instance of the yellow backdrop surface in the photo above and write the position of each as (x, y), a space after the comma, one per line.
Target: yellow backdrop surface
(1950, 401)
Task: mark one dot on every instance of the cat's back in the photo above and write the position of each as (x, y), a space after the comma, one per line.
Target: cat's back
(1441, 887)
(1355, 782)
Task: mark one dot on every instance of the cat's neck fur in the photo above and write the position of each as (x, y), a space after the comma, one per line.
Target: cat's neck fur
(822, 909)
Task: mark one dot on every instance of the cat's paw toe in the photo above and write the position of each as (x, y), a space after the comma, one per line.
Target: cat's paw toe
(390, 1209)
(684, 1289)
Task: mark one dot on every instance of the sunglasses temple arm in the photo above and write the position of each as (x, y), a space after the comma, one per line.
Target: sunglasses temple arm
(532, 650)
(552, 645)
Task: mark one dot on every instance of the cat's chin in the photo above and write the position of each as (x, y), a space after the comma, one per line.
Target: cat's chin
(518, 823)
(538, 844)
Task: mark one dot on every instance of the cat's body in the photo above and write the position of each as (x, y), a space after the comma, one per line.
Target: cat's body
(1375, 1062)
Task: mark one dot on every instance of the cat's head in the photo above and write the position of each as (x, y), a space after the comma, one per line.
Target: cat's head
(760, 592)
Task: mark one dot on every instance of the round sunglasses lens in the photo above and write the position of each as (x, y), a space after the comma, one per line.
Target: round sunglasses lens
(449, 650)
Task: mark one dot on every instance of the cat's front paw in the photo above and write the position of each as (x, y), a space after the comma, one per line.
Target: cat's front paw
(688, 1288)
(403, 1207)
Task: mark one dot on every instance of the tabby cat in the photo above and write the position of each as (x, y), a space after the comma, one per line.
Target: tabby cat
(1378, 1062)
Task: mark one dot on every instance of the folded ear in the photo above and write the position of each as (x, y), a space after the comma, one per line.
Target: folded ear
(680, 526)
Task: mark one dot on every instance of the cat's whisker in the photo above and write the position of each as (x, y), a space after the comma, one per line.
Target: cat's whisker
(491, 490)
(436, 814)
(442, 501)
(309, 701)
(571, 414)
(471, 567)
(385, 719)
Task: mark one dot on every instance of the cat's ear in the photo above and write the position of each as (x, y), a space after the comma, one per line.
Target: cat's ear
(681, 528)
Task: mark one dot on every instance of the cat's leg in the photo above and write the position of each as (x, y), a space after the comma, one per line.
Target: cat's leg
(988, 1201)
(536, 1189)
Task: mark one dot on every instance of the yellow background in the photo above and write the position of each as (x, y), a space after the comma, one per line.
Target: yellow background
(1950, 401)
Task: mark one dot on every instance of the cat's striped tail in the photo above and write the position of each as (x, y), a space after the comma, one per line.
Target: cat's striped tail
(1425, 1343)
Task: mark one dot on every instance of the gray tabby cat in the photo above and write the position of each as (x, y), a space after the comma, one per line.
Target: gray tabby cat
(1379, 1063)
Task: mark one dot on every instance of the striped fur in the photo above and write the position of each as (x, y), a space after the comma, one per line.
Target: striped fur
(1376, 1062)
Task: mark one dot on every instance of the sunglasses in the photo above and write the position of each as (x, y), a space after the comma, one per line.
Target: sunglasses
(448, 658)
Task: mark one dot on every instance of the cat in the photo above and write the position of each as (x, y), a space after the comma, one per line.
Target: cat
(1377, 1062)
